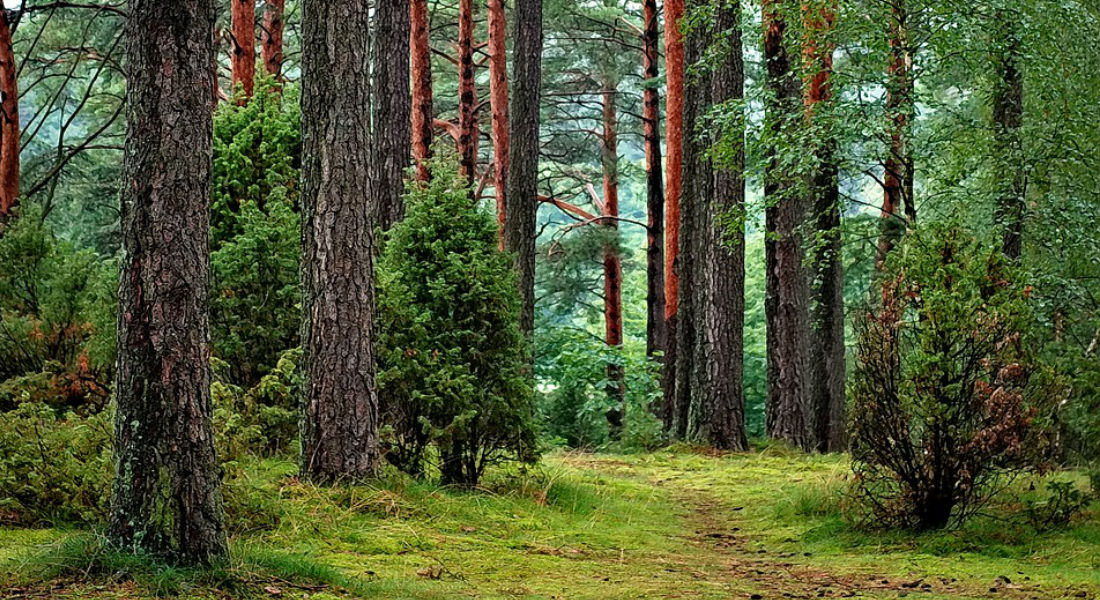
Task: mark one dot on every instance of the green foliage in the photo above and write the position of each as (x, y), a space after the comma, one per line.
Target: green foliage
(1063, 503)
(57, 322)
(255, 304)
(54, 469)
(453, 369)
(947, 395)
(262, 420)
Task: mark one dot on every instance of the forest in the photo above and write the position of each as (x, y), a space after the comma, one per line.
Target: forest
(747, 299)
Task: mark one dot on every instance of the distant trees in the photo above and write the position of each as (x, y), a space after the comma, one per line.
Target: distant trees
(9, 122)
(272, 37)
(340, 421)
(167, 490)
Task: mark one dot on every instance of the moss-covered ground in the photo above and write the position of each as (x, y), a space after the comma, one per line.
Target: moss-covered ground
(672, 524)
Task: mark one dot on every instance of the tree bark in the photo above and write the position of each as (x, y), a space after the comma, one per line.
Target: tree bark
(827, 356)
(392, 130)
(655, 193)
(898, 203)
(421, 65)
(786, 306)
(467, 93)
(243, 63)
(1008, 118)
(340, 421)
(272, 38)
(9, 123)
(724, 316)
(612, 262)
(674, 140)
(498, 105)
(523, 151)
(167, 491)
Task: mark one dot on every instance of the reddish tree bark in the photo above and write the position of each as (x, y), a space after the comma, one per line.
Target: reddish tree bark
(421, 65)
(498, 104)
(827, 354)
(9, 123)
(898, 175)
(467, 93)
(655, 193)
(674, 140)
(612, 262)
(243, 13)
(272, 37)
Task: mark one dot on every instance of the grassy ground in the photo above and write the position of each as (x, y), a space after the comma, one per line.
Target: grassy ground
(662, 525)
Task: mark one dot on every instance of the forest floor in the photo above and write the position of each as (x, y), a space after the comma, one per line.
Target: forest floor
(680, 524)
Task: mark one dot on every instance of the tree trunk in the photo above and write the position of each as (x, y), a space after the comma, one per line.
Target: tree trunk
(272, 38)
(827, 356)
(523, 159)
(392, 130)
(243, 63)
(674, 140)
(467, 93)
(786, 297)
(167, 490)
(612, 262)
(340, 422)
(421, 65)
(898, 172)
(724, 316)
(655, 193)
(1008, 118)
(9, 123)
(498, 101)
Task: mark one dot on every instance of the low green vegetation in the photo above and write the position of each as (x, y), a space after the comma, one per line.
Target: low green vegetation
(657, 525)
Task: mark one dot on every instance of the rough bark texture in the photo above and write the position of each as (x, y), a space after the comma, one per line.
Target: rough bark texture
(392, 129)
(689, 417)
(612, 262)
(724, 316)
(655, 193)
(243, 59)
(420, 52)
(9, 123)
(1008, 118)
(898, 205)
(498, 105)
(272, 37)
(167, 491)
(340, 421)
(786, 286)
(523, 159)
(467, 93)
(827, 356)
(674, 142)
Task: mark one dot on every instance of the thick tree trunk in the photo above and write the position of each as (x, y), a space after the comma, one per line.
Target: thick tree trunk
(498, 105)
(523, 159)
(9, 123)
(1008, 118)
(392, 130)
(612, 262)
(340, 422)
(243, 60)
(898, 203)
(167, 491)
(674, 142)
(467, 93)
(724, 315)
(272, 37)
(423, 117)
(786, 306)
(827, 356)
(655, 193)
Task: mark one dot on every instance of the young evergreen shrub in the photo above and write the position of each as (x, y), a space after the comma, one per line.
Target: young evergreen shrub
(453, 369)
(254, 309)
(947, 399)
